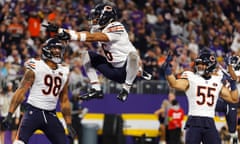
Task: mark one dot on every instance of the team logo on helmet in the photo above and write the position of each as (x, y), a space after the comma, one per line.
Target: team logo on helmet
(102, 14)
(207, 59)
(49, 53)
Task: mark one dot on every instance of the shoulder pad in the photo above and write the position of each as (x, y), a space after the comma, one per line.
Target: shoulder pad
(186, 74)
(115, 27)
(31, 64)
(37, 59)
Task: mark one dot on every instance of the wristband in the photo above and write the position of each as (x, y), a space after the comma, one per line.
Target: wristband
(60, 30)
(233, 85)
(83, 36)
(168, 71)
(73, 35)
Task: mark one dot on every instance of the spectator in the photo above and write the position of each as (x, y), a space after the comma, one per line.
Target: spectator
(16, 30)
(161, 26)
(34, 24)
(175, 118)
(5, 99)
(77, 81)
(56, 16)
(78, 112)
(3, 70)
(150, 16)
(162, 113)
(4, 36)
(149, 62)
(193, 48)
(235, 46)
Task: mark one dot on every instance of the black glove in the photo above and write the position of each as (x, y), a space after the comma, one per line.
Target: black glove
(7, 121)
(232, 82)
(51, 27)
(166, 67)
(227, 60)
(64, 36)
(71, 131)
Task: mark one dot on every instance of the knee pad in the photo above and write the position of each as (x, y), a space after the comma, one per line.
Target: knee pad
(133, 60)
(133, 55)
(18, 142)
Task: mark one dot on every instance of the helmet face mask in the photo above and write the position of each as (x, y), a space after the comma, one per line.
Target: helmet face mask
(200, 69)
(93, 17)
(102, 14)
(205, 64)
(53, 50)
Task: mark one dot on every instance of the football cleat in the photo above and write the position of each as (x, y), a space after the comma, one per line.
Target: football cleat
(122, 96)
(91, 94)
(234, 140)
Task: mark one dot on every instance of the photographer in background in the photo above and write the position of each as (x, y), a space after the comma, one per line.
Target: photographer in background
(5, 99)
(175, 118)
(78, 112)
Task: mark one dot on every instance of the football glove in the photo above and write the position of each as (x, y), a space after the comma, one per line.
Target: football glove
(232, 82)
(64, 36)
(51, 27)
(167, 66)
(227, 60)
(7, 121)
(71, 131)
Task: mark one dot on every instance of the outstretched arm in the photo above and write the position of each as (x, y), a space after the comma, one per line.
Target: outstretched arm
(86, 36)
(230, 68)
(230, 96)
(20, 93)
(66, 110)
(179, 84)
(65, 105)
(73, 35)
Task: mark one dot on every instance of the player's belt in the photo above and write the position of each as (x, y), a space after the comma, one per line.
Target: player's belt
(30, 107)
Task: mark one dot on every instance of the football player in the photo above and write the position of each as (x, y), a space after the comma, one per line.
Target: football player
(230, 109)
(47, 80)
(202, 88)
(121, 60)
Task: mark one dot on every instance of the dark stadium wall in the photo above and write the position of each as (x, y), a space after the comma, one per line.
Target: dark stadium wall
(136, 103)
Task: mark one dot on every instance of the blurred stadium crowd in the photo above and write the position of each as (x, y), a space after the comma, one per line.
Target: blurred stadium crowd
(154, 27)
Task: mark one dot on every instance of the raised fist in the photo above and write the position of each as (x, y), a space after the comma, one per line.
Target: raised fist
(7, 121)
(64, 35)
(51, 27)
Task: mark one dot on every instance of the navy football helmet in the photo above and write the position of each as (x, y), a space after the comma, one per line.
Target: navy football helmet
(208, 59)
(49, 53)
(103, 14)
(235, 62)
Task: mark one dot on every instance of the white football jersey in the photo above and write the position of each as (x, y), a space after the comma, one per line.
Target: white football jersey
(202, 94)
(48, 84)
(119, 46)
